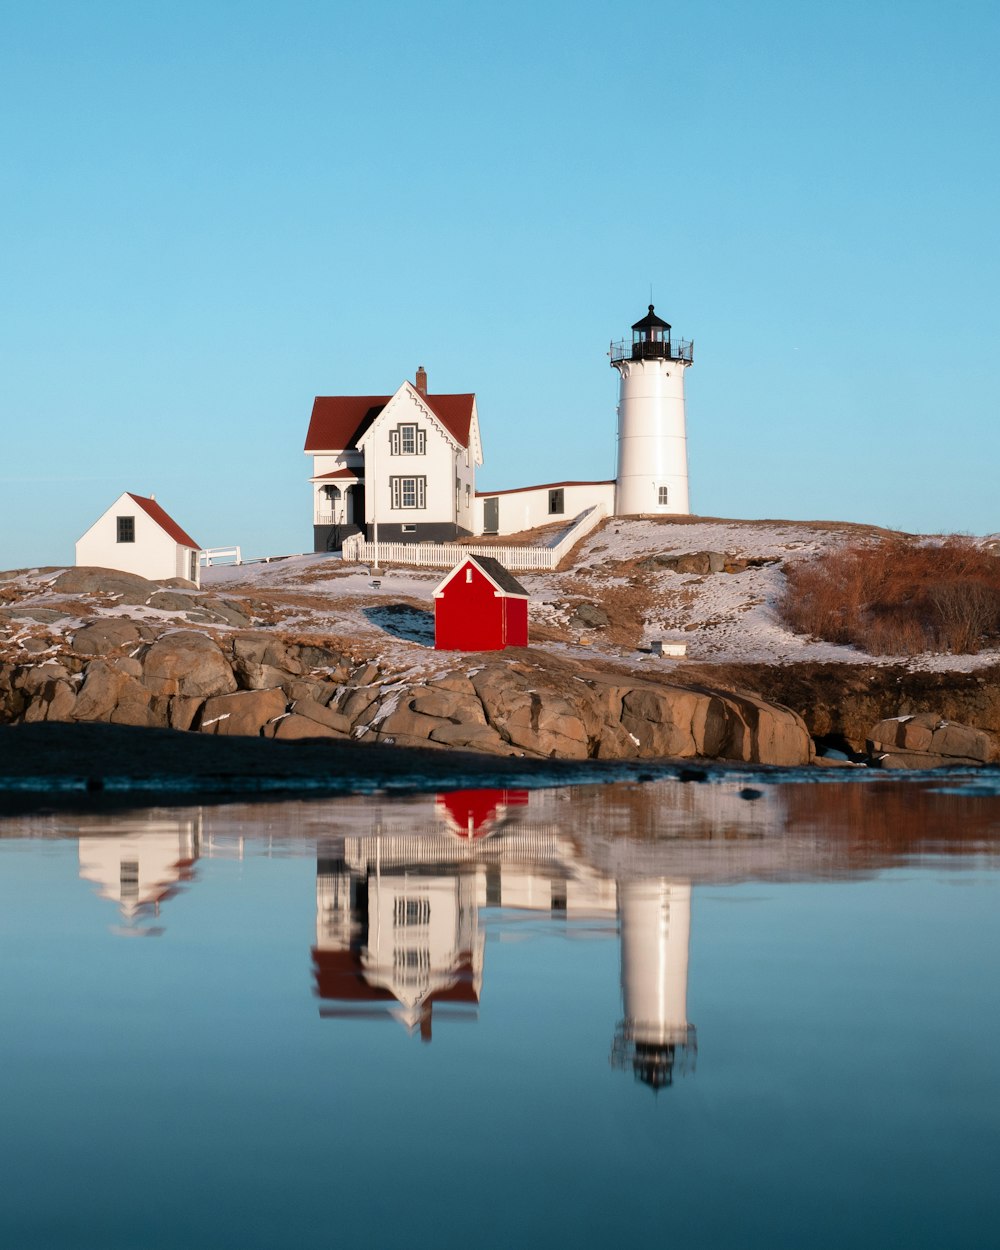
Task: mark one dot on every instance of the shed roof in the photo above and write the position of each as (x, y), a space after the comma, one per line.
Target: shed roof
(165, 522)
(339, 421)
(501, 577)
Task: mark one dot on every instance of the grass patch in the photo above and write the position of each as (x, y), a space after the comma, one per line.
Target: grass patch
(898, 596)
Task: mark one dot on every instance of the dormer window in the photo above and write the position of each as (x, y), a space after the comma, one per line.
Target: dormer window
(407, 440)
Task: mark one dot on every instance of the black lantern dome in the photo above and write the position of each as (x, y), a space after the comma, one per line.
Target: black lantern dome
(651, 341)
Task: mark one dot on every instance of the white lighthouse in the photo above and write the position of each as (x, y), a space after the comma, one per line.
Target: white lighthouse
(652, 439)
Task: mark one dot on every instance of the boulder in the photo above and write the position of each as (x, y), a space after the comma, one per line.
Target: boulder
(589, 615)
(243, 714)
(127, 588)
(307, 709)
(189, 664)
(98, 696)
(543, 722)
(930, 735)
(294, 727)
(111, 634)
(173, 601)
(471, 737)
(765, 733)
(453, 705)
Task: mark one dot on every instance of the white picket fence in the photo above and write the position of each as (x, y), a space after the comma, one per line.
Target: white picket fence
(445, 555)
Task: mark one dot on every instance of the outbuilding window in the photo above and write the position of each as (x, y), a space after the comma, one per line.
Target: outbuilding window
(556, 502)
(126, 529)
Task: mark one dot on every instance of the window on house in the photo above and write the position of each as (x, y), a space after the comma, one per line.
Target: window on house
(408, 492)
(411, 911)
(194, 566)
(409, 529)
(662, 496)
(556, 501)
(407, 440)
(126, 529)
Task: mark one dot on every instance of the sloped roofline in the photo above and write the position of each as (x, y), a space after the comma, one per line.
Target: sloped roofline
(164, 521)
(346, 419)
(505, 584)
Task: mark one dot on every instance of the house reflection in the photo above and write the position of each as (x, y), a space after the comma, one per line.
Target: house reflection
(142, 868)
(401, 915)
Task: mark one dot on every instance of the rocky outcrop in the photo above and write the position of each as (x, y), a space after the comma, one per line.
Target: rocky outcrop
(926, 740)
(703, 562)
(257, 685)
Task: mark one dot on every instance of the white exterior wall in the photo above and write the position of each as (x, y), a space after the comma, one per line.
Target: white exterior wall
(529, 508)
(154, 554)
(441, 463)
(652, 437)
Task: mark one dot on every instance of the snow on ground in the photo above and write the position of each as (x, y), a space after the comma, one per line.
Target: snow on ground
(722, 617)
(729, 618)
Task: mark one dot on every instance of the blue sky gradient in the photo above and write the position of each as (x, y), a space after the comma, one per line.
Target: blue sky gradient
(213, 212)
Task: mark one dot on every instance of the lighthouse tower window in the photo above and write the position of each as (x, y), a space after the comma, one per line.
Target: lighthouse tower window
(663, 496)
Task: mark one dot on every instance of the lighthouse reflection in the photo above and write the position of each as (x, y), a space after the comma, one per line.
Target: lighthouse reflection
(401, 918)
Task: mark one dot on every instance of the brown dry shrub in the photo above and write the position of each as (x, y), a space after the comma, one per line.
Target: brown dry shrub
(898, 597)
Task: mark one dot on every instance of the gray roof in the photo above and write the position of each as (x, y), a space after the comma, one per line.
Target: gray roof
(504, 578)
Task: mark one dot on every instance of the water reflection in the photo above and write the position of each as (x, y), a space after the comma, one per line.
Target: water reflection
(831, 942)
(141, 869)
(401, 922)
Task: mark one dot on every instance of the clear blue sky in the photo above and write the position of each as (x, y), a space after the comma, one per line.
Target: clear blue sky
(212, 212)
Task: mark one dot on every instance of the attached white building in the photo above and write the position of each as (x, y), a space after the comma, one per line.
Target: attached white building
(405, 463)
(137, 536)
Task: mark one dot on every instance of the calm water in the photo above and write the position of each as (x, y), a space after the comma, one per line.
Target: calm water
(663, 1014)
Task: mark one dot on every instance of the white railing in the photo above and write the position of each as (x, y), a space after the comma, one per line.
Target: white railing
(445, 555)
(220, 555)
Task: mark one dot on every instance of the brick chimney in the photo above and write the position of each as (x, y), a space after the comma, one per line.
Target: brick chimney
(421, 382)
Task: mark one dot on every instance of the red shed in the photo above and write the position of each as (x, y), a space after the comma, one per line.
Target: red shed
(480, 606)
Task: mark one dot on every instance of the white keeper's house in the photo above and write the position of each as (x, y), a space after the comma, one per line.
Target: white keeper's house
(406, 462)
(404, 465)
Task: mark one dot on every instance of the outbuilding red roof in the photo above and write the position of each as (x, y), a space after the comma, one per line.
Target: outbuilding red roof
(338, 421)
(165, 522)
(520, 490)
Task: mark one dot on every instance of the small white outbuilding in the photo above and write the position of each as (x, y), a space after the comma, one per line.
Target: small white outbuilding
(137, 536)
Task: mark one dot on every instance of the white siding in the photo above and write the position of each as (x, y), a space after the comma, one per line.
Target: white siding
(529, 508)
(154, 554)
(439, 465)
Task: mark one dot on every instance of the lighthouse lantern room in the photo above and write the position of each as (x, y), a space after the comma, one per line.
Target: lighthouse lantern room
(652, 475)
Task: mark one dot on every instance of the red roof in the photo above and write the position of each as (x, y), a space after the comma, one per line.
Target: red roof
(166, 523)
(338, 421)
(337, 475)
(519, 490)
